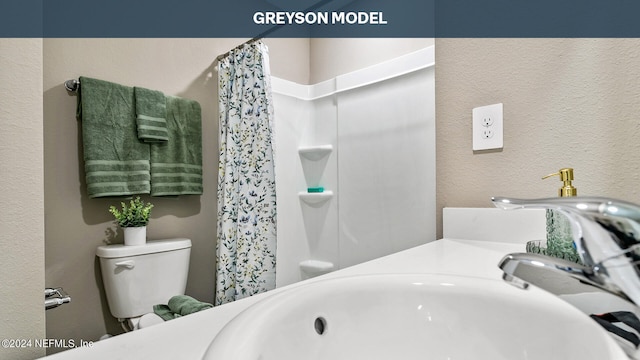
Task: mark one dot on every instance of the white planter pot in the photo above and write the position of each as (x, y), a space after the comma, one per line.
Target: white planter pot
(135, 235)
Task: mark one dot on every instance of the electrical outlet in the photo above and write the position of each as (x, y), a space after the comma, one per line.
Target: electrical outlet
(487, 121)
(487, 127)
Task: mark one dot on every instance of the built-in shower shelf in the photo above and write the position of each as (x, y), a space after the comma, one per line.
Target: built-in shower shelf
(315, 152)
(315, 198)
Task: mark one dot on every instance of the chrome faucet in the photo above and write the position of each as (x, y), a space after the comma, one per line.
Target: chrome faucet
(606, 234)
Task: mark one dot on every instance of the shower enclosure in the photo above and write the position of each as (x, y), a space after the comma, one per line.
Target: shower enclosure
(355, 166)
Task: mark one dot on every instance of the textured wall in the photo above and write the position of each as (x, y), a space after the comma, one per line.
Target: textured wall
(567, 103)
(21, 190)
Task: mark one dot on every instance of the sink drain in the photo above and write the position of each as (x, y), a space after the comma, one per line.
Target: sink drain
(320, 324)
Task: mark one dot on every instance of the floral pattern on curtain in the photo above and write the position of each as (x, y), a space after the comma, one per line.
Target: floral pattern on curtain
(246, 245)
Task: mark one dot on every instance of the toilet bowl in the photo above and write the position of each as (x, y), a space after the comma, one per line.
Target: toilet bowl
(144, 321)
(138, 277)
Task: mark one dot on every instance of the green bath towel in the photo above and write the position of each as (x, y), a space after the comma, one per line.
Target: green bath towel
(180, 305)
(151, 115)
(116, 163)
(176, 165)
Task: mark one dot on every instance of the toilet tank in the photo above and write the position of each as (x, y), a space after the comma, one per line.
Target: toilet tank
(138, 277)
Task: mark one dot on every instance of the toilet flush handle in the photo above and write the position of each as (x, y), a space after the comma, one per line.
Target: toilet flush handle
(129, 264)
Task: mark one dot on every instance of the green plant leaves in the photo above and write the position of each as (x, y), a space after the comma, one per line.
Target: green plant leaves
(134, 214)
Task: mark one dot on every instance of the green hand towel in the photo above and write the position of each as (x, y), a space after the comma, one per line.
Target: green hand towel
(180, 305)
(176, 166)
(151, 115)
(116, 163)
(164, 312)
(185, 305)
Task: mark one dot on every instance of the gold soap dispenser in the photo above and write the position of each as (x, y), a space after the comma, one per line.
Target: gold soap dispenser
(559, 234)
(566, 176)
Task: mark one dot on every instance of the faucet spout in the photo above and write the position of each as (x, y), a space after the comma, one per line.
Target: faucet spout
(557, 276)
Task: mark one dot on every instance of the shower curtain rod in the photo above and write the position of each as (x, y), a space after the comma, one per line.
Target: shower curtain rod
(219, 57)
(252, 40)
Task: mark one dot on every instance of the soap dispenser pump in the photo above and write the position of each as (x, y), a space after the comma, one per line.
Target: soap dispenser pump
(559, 234)
(566, 176)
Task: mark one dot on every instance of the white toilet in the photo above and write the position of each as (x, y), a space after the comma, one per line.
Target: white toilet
(138, 277)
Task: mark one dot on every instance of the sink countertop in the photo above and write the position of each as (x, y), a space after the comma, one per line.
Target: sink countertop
(189, 337)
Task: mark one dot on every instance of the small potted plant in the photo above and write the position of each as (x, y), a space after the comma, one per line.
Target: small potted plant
(133, 218)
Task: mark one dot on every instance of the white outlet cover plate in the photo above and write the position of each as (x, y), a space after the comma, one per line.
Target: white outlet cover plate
(487, 127)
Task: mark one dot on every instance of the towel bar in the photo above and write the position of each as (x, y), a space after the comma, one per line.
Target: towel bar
(72, 85)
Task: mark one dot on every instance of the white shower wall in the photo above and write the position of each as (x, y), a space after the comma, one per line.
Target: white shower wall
(304, 231)
(380, 123)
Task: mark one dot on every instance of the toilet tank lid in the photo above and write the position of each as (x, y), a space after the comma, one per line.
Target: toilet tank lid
(152, 246)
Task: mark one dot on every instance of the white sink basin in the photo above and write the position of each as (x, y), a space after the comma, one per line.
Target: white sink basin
(437, 317)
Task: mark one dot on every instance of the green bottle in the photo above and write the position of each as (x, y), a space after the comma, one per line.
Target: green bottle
(559, 234)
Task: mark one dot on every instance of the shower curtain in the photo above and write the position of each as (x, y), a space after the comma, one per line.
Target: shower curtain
(246, 245)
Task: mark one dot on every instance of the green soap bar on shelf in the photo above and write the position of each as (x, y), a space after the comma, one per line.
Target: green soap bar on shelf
(318, 189)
